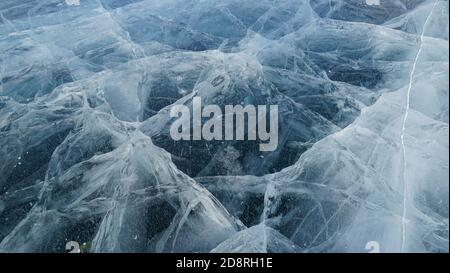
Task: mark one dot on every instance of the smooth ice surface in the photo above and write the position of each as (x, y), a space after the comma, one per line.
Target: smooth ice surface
(86, 88)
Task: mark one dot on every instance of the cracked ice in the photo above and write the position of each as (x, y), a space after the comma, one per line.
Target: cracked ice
(86, 154)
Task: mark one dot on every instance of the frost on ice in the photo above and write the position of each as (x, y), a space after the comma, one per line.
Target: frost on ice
(86, 89)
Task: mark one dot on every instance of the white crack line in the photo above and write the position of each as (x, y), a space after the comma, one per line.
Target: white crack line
(402, 136)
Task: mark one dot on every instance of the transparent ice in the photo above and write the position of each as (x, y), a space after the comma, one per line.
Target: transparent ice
(86, 88)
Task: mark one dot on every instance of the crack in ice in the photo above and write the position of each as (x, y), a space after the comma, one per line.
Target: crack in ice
(402, 136)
